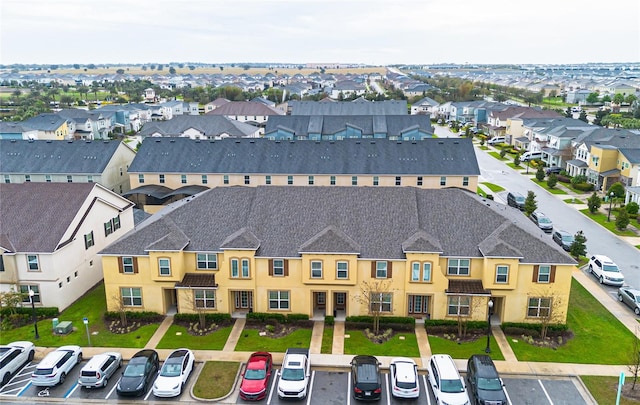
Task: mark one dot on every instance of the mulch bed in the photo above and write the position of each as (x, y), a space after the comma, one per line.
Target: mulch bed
(273, 330)
(194, 329)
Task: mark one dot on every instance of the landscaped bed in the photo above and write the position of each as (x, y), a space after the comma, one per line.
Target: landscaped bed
(178, 336)
(403, 344)
(216, 379)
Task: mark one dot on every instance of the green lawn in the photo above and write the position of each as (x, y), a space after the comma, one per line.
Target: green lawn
(493, 187)
(513, 166)
(464, 350)
(601, 218)
(327, 339)
(574, 201)
(595, 329)
(605, 389)
(543, 184)
(216, 379)
(497, 156)
(358, 343)
(251, 341)
(92, 305)
(177, 337)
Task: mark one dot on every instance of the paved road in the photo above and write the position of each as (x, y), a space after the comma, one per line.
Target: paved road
(564, 216)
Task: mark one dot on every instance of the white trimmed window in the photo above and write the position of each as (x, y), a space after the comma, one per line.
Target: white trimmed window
(544, 274)
(332, 180)
(279, 300)
(459, 305)
(235, 268)
(131, 296)
(245, 268)
(205, 299)
(183, 178)
(127, 265)
(32, 261)
(316, 269)
(376, 180)
(381, 269)
(164, 265)
(458, 267)
(342, 270)
(24, 290)
(278, 267)
(207, 261)
(267, 180)
(539, 307)
(204, 179)
(289, 180)
(420, 271)
(161, 178)
(88, 240)
(381, 302)
(225, 179)
(141, 178)
(502, 274)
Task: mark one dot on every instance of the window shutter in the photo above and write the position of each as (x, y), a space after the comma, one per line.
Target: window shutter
(286, 267)
(373, 269)
(536, 269)
(120, 266)
(135, 265)
(552, 276)
(389, 270)
(271, 267)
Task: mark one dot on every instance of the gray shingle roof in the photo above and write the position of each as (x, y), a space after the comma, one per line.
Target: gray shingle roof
(248, 108)
(390, 125)
(56, 157)
(434, 156)
(387, 107)
(55, 205)
(379, 221)
(44, 122)
(209, 125)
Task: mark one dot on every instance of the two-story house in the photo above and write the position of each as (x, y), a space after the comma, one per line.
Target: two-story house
(55, 256)
(166, 169)
(200, 127)
(313, 250)
(250, 112)
(48, 126)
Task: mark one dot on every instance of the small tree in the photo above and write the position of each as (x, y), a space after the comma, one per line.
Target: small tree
(568, 113)
(547, 309)
(632, 208)
(617, 189)
(622, 219)
(594, 202)
(11, 300)
(373, 294)
(552, 180)
(516, 160)
(540, 173)
(503, 153)
(578, 247)
(530, 204)
(583, 116)
(121, 309)
(634, 360)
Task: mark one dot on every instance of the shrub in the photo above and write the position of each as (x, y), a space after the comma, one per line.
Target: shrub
(578, 179)
(146, 316)
(563, 178)
(297, 317)
(632, 208)
(329, 320)
(266, 316)
(583, 186)
(533, 329)
(552, 180)
(451, 326)
(540, 174)
(213, 318)
(594, 203)
(617, 189)
(503, 153)
(42, 312)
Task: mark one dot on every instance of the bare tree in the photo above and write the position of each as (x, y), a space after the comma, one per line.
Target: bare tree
(376, 295)
(121, 309)
(191, 304)
(547, 308)
(634, 360)
(468, 308)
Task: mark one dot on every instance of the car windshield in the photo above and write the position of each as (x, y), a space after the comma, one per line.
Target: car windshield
(259, 374)
(171, 369)
(134, 370)
(610, 267)
(567, 238)
(520, 199)
(452, 386)
(489, 384)
(293, 374)
(544, 220)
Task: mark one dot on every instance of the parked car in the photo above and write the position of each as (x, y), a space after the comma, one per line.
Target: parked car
(527, 156)
(485, 385)
(365, 378)
(12, 357)
(55, 367)
(404, 378)
(444, 378)
(496, 140)
(516, 200)
(255, 378)
(563, 238)
(605, 270)
(542, 221)
(631, 297)
(553, 170)
(174, 374)
(99, 369)
(295, 374)
(138, 374)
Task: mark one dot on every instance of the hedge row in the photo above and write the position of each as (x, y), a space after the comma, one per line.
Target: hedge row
(213, 318)
(280, 318)
(146, 316)
(42, 312)
(583, 186)
(533, 329)
(449, 325)
(383, 319)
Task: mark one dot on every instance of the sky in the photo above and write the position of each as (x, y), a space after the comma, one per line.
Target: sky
(375, 32)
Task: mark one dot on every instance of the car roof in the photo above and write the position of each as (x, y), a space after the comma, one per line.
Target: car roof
(446, 367)
(178, 353)
(484, 366)
(603, 258)
(363, 359)
(632, 290)
(52, 358)
(563, 233)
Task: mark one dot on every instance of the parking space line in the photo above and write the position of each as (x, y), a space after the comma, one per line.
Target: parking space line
(71, 390)
(313, 375)
(545, 392)
(386, 380)
(112, 389)
(146, 397)
(24, 389)
(273, 385)
(349, 388)
(426, 389)
(507, 395)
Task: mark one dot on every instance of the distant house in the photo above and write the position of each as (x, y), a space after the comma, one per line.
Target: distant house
(346, 88)
(15, 130)
(338, 127)
(215, 104)
(103, 162)
(48, 126)
(252, 112)
(355, 107)
(425, 106)
(164, 169)
(56, 256)
(85, 124)
(200, 127)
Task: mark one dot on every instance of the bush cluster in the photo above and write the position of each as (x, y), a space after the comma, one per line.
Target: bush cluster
(146, 316)
(329, 320)
(41, 312)
(583, 186)
(210, 318)
(383, 319)
(446, 326)
(533, 329)
(301, 320)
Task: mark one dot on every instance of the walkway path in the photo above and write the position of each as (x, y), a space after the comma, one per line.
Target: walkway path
(338, 338)
(160, 332)
(315, 347)
(232, 340)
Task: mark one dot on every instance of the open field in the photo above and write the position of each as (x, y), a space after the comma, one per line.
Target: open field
(237, 70)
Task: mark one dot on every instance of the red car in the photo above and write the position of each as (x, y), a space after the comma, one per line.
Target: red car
(255, 378)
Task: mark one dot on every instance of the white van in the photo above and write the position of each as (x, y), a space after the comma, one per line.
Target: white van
(530, 156)
(576, 109)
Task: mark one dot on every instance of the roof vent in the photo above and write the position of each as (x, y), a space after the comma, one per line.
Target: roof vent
(172, 141)
(157, 140)
(48, 141)
(237, 141)
(440, 143)
(13, 141)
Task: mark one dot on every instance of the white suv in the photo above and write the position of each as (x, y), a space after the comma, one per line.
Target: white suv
(12, 357)
(605, 270)
(444, 378)
(53, 369)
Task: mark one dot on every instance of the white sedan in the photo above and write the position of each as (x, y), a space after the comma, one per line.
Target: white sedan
(174, 374)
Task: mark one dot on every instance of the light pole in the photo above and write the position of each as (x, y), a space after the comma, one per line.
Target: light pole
(489, 311)
(33, 312)
(85, 320)
(610, 201)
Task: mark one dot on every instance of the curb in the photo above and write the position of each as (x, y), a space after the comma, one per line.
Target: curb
(233, 388)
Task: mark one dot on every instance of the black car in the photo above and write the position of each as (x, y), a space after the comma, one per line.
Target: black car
(516, 200)
(553, 170)
(484, 383)
(365, 376)
(563, 238)
(139, 373)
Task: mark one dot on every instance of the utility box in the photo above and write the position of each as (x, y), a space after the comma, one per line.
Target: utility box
(63, 328)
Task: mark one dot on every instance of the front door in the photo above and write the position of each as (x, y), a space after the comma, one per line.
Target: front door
(243, 300)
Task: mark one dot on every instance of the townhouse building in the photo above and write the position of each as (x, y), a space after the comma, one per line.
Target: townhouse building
(168, 169)
(313, 250)
(200, 127)
(59, 263)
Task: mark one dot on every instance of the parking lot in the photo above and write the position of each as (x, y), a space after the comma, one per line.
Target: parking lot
(326, 387)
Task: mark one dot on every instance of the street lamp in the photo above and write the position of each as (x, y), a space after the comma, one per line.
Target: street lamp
(33, 312)
(610, 201)
(489, 311)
